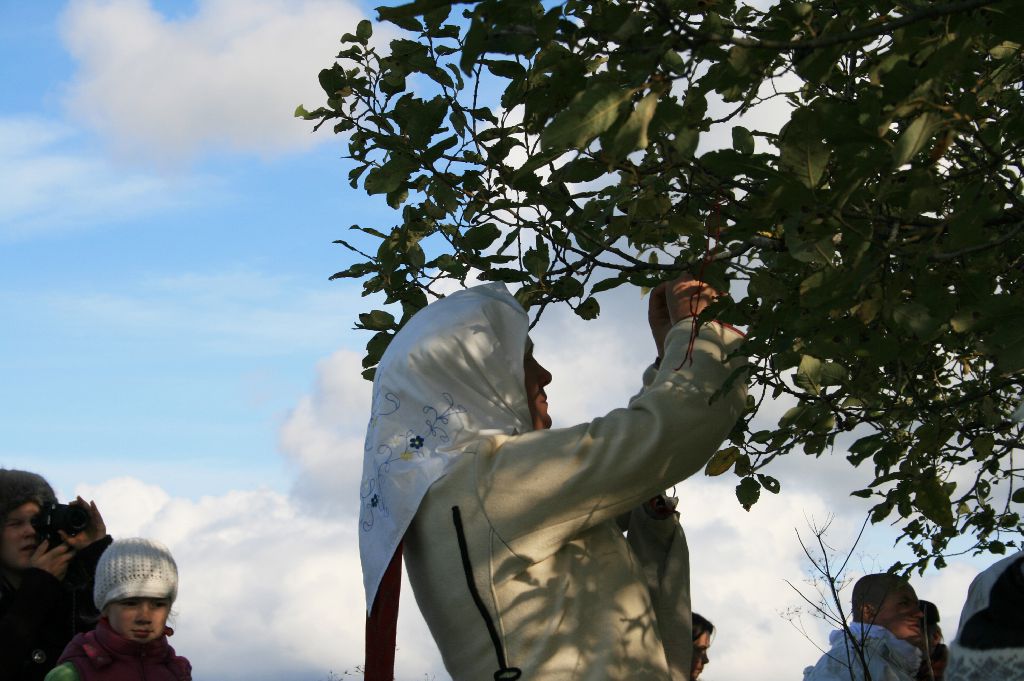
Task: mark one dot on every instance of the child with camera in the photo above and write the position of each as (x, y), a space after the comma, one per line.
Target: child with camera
(48, 557)
(136, 584)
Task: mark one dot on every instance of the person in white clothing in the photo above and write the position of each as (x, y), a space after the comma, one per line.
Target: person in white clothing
(513, 530)
(989, 644)
(881, 644)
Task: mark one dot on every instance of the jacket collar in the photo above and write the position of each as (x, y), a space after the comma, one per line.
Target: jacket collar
(906, 655)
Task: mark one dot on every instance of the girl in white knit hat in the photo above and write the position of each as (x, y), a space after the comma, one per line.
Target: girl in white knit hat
(136, 584)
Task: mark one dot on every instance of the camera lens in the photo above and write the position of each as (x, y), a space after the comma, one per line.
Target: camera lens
(76, 520)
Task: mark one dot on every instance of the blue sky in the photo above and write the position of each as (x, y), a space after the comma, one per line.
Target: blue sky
(158, 308)
(171, 345)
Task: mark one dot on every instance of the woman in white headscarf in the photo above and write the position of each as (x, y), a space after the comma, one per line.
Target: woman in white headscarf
(513, 532)
(989, 643)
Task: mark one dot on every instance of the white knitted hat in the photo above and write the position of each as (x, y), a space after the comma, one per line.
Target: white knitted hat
(135, 568)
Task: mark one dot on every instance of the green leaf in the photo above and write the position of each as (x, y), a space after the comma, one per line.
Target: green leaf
(388, 177)
(536, 260)
(742, 140)
(588, 309)
(1018, 496)
(748, 492)
(808, 376)
(364, 30)
(633, 133)
(581, 170)
(505, 274)
(607, 284)
(804, 155)
(769, 483)
(913, 139)
(505, 68)
(592, 112)
(568, 287)
(410, 9)
(722, 461)
(917, 320)
(933, 502)
(983, 446)
(377, 320)
(376, 347)
(792, 415)
(332, 80)
(480, 237)
(833, 374)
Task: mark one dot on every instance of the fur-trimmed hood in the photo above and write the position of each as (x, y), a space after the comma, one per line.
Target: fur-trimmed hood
(20, 487)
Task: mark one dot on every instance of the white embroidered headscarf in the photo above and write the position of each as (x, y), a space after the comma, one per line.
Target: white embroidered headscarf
(980, 591)
(990, 664)
(453, 374)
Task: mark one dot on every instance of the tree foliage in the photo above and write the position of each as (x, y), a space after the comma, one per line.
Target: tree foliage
(873, 239)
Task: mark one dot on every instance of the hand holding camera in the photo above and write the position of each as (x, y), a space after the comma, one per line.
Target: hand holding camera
(54, 560)
(77, 524)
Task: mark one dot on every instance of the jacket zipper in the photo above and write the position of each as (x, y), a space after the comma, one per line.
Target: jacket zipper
(504, 673)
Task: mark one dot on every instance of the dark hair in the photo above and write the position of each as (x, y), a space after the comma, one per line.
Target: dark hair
(930, 616)
(702, 626)
(20, 487)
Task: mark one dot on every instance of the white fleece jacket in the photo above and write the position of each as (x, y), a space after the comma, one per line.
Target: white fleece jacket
(568, 596)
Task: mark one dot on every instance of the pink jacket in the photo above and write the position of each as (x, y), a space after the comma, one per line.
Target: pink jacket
(105, 655)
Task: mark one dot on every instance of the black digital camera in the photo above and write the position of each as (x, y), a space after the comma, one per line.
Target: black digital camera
(53, 518)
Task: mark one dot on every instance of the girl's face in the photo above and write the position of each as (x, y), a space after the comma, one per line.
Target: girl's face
(139, 619)
(19, 541)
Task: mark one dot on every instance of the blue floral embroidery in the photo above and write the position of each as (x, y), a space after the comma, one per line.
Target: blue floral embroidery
(442, 418)
(372, 492)
(390, 405)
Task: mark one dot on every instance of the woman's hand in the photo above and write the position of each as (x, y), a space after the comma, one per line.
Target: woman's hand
(658, 317)
(55, 560)
(675, 300)
(686, 296)
(94, 531)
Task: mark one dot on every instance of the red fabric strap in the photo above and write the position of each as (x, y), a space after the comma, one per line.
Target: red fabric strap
(382, 624)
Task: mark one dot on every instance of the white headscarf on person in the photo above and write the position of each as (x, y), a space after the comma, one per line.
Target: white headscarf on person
(452, 375)
(991, 663)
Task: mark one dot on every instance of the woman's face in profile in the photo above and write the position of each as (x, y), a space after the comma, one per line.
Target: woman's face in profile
(700, 655)
(536, 399)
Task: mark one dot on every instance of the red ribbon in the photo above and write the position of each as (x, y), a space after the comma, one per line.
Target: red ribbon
(382, 623)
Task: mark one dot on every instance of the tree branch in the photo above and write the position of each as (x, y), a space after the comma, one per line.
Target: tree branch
(940, 257)
(929, 12)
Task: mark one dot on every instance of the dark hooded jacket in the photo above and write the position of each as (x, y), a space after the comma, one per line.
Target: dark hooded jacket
(41, 616)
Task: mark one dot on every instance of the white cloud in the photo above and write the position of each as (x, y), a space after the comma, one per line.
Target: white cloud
(279, 587)
(323, 436)
(46, 186)
(227, 77)
(267, 592)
